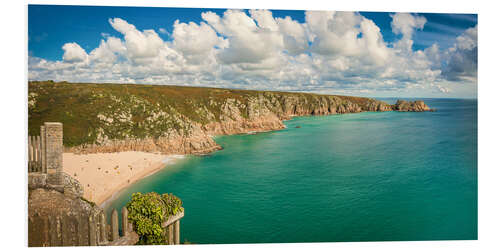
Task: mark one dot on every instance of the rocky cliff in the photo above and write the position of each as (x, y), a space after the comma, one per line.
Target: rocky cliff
(173, 119)
(416, 106)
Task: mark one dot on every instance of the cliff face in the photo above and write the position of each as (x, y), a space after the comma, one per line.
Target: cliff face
(175, 120)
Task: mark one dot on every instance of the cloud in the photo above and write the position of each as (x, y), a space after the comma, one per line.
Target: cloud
(139, 44)
(334, 33)
(331, 52)
(248, 43)
(163, 31)
(443, 89)
(346, 40)
(295, 39)
(461, 63)
(74, 53)
(108, 50)
(405, 24)
(195, 41)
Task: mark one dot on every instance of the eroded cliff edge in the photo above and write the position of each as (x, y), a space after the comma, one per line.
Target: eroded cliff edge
(174, 119)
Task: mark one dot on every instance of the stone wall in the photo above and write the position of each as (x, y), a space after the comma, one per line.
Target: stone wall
(45, 155)
(57, 219)
(45, 161)
(57, 213)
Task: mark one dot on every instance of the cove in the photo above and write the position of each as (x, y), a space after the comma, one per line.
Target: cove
(373, 176)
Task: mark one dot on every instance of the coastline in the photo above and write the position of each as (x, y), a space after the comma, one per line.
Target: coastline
(103, 175)
(99, 173)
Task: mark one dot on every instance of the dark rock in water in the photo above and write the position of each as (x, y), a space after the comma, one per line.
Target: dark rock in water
(298, 126)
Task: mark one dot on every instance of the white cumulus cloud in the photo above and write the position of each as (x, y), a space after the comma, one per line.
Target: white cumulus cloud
(406, 24)
(139, 44)
(74, 53)
(461, 59)
(331, 52)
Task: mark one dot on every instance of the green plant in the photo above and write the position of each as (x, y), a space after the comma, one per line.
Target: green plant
(148, 211)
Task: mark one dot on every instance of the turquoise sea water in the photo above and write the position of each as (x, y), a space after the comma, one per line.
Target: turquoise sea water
(376, 176)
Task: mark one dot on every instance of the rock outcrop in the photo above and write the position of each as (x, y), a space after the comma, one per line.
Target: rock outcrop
(177, 120)
(415, 106)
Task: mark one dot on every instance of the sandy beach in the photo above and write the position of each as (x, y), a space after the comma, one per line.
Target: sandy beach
(104, 174)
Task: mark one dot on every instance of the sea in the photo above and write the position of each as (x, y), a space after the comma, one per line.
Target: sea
(372, 176)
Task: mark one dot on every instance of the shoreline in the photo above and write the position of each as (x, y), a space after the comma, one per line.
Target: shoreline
(112, 194)
(104, 175)
(155, 162)
(104, 199)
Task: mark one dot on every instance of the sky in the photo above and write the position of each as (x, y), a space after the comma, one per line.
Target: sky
(375, 54)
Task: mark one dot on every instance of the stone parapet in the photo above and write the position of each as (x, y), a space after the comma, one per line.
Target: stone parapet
(53, 159)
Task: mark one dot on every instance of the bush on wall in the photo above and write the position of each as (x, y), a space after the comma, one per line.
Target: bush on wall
(148, 211)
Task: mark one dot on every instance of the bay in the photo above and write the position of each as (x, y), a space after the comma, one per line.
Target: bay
(373, 176)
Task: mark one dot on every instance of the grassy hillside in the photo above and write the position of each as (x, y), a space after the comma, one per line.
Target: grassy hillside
(90, 112)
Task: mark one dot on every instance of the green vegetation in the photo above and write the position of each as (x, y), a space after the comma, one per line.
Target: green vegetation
(148, 211)
(93, 113)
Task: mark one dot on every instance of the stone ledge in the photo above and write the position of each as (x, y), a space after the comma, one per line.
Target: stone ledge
(37, 180)
(173, 219)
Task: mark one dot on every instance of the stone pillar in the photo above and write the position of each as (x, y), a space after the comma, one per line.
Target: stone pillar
(42, 149)
(125, 221)
(177, 237)
(53, 152)
(114, 225)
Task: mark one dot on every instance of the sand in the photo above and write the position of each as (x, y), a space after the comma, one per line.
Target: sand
(104, 174)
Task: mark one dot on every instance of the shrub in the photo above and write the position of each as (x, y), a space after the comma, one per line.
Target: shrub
(148, 211)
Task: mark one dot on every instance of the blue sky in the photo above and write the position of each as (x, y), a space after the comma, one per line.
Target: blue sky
(312, 54)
